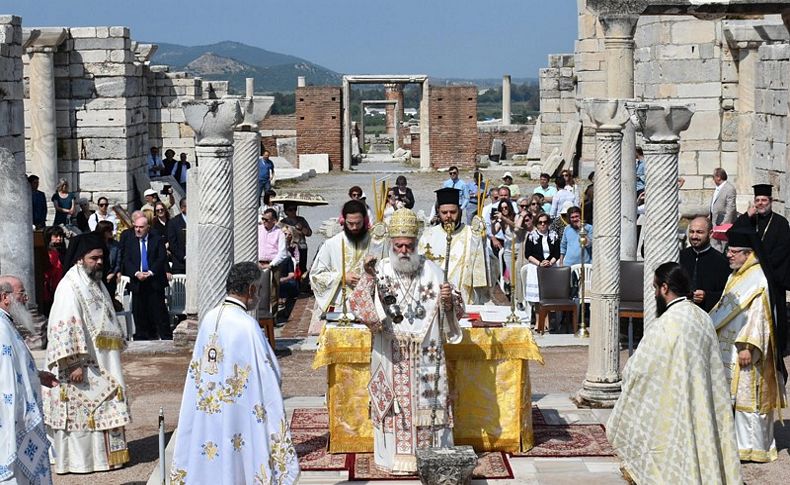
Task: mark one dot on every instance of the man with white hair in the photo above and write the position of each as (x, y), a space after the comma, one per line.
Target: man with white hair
(24, 456)
(409, 308)
(87, 413)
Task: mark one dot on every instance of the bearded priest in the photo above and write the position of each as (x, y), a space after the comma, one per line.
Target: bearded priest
(467, 271)
(411, 312)
(349, 249)
(87, 413)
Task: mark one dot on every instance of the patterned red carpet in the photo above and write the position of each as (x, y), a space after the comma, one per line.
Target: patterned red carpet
(310, 433)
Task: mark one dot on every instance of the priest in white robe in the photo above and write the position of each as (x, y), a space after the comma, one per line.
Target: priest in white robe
(24, 457)
(412, 313)
(232, 427)
(672, 422)
(744, 322)
(352, 245)
(87, 412)
(467, 271)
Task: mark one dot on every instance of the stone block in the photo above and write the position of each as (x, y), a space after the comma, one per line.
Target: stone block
(729, 162)
(82, 32)
(705, 125)
(119, 31)
(687, 71)
(729, 71)
(549, 83)
(121, 55)
(86, 166)
(106, 148)
(104, 181)
(675, 51)
(700, 90)
(707, 162)
(104, 117)
(693, 182)
(87, 56)
(729, 126)
(317, 162)
(111, 165)
(185, 131)
(98, 43)
(103, 131)
(774, 52)
(693, 32)
(115, 87)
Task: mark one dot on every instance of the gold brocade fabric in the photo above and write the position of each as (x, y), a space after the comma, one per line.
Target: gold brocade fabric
(488, 377)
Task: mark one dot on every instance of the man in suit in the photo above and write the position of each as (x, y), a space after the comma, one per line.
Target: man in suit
(145, 263)
(722, 204)
(176, 237)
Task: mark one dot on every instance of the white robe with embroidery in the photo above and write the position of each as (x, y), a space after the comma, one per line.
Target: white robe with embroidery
(403, 365)
(232, 427)
(326, 274)
(23, 440)
(743, 316)
(467, 260)
(86, 420)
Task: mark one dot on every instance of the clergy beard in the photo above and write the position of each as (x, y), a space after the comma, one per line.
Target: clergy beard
(661, 305)
(407, 264)
(355, 238)
(95, 273)
(20, 314)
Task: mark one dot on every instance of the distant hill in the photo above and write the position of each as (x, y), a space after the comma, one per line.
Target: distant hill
(234, 62)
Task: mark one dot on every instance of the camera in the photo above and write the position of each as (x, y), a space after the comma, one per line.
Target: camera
(165, 189)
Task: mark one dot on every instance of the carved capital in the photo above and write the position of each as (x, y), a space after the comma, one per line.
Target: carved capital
(212, 120)
(45, 39)
(606, 114)
(607, 7)
(255, 109)
(661, 123)
(618, 25)
(143, 52)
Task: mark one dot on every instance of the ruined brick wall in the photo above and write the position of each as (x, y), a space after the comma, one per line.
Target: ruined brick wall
(453, 126)
(274, 127)
(102, 112)
(557, 85)
(319, 122)
(769, 164)
(414, 132)
(516, 138)
(167, 127)
(11, 106)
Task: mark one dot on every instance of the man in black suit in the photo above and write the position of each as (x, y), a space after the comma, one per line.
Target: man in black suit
(176, 237)
(145, 263)
(707, 268)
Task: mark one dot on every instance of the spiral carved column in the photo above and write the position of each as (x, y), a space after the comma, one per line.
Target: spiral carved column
(213, 122)
(601, 387)
(247, 150)
(661, 127)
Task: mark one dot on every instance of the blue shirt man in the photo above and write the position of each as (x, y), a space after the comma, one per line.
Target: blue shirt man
(456, 183)
(640, 170)
(265, 174)
(570, 250)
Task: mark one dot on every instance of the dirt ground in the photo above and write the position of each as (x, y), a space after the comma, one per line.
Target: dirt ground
(157, 380)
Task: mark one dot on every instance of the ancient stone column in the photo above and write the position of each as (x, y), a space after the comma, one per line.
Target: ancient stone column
(601, 388)
(213, 122)
(619, 28)
(40, 45)
(185, 333)
(394, 113)
(247, 151)
(16, 238)
(506, 100)
(661, 127)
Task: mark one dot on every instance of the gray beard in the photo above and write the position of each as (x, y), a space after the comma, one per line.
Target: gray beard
(21, 315)
(406, 265)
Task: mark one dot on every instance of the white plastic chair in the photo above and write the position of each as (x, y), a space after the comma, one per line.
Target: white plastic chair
(177, 297)
(576, 270)
(126, 301)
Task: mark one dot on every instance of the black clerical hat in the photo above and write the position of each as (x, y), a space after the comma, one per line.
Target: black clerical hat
(448, 195)
(82, 244)
(762, 189)
(742, 237)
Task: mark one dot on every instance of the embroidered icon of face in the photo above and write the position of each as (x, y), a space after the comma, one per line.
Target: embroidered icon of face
(212, 355)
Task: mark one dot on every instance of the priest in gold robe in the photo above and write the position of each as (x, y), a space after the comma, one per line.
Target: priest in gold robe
(411, 312)
(744, 322)
(467, 270)
(87, 412)
(673, 421)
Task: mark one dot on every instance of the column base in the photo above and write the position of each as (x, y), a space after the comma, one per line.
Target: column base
(185, 333)
(597, 394)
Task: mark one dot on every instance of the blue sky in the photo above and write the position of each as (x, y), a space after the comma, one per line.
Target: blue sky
(444, 38)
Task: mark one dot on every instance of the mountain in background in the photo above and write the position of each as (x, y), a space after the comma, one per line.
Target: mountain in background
(234, 62)
(273, 72)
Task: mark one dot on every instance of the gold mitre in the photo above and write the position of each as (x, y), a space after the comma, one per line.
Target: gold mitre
(403, 223)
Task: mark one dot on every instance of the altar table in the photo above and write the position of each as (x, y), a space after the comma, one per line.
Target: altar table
(488, 375)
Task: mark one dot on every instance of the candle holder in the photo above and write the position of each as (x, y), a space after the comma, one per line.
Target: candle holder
(513, 319)
(582, 332)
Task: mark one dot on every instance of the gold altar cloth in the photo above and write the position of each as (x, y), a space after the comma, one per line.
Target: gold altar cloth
(488, 374)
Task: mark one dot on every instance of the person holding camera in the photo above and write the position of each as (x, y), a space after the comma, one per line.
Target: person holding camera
(151, 198)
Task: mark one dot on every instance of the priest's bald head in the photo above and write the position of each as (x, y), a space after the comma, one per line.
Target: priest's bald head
(13, 299)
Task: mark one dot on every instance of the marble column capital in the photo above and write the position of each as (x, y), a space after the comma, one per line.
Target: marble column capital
(751, 34)
(212, 120)
(661, 123)
(618, 27)
(255, 109)
(143, 52)
(608, 115)
(43, 39)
